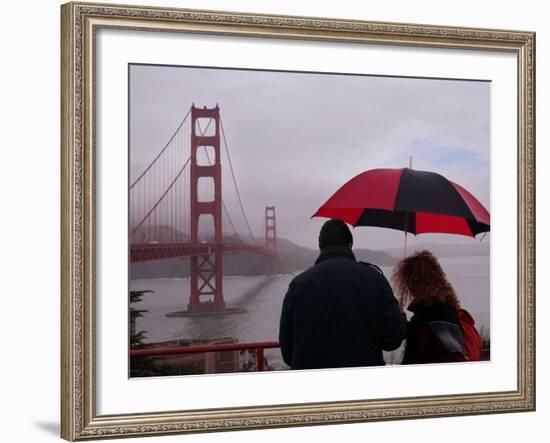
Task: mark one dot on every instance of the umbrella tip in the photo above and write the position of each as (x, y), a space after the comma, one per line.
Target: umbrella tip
(316, 213)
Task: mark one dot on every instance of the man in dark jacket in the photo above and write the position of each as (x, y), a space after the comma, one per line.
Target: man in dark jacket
(340, 312)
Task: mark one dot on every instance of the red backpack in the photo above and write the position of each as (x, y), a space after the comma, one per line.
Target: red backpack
(472, 338)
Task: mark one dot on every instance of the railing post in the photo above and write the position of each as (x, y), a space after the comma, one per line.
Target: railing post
(260, 359)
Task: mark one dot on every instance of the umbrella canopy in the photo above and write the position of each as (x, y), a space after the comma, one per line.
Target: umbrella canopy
(408, 200)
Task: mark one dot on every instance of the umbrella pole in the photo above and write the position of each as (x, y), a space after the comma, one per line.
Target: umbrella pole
(405, 248)
(407, 216)
(401, 307)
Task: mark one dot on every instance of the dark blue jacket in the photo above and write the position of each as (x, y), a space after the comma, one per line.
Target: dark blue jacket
(339, 313)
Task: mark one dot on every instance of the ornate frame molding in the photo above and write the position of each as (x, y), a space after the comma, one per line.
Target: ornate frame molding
(79, 23)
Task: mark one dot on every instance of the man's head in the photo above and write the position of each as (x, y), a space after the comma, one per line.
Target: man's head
(335, 233)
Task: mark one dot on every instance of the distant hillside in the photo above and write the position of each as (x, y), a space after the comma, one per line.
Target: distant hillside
(471, 249)
(293, 258)
(379, 258)
(296, 258)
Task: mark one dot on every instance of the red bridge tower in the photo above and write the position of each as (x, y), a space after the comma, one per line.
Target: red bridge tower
(270, 229)
(271, 239)
(206, 270)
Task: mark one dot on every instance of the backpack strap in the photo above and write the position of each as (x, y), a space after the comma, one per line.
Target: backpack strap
(450, 336)
(472, 338)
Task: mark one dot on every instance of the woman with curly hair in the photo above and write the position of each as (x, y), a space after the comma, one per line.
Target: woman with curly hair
(439, 331)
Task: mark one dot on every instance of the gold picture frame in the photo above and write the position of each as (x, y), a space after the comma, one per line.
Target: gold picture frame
(80, 21)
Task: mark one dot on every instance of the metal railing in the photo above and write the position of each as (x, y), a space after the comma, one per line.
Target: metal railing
(259, 347)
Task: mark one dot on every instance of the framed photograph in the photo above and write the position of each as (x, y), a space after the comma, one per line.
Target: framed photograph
(277, 221)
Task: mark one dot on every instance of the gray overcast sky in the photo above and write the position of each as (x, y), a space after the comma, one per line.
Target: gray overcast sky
(295, 138)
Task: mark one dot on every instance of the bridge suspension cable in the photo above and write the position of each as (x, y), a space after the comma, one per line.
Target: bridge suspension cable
(162, 150)
(235, 183)
(135, 228)
(171, 185)
(223, 202)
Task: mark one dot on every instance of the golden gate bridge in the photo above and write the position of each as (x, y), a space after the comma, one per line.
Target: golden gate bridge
(177, 210)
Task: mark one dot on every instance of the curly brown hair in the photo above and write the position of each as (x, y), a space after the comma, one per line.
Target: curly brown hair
(419, 278)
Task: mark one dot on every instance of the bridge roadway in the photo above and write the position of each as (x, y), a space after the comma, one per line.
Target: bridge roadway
(158, 251)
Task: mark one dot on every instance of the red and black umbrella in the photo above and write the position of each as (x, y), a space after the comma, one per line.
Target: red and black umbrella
(408, 200)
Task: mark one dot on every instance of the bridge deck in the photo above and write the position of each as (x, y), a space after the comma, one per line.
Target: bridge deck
(158, 251)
